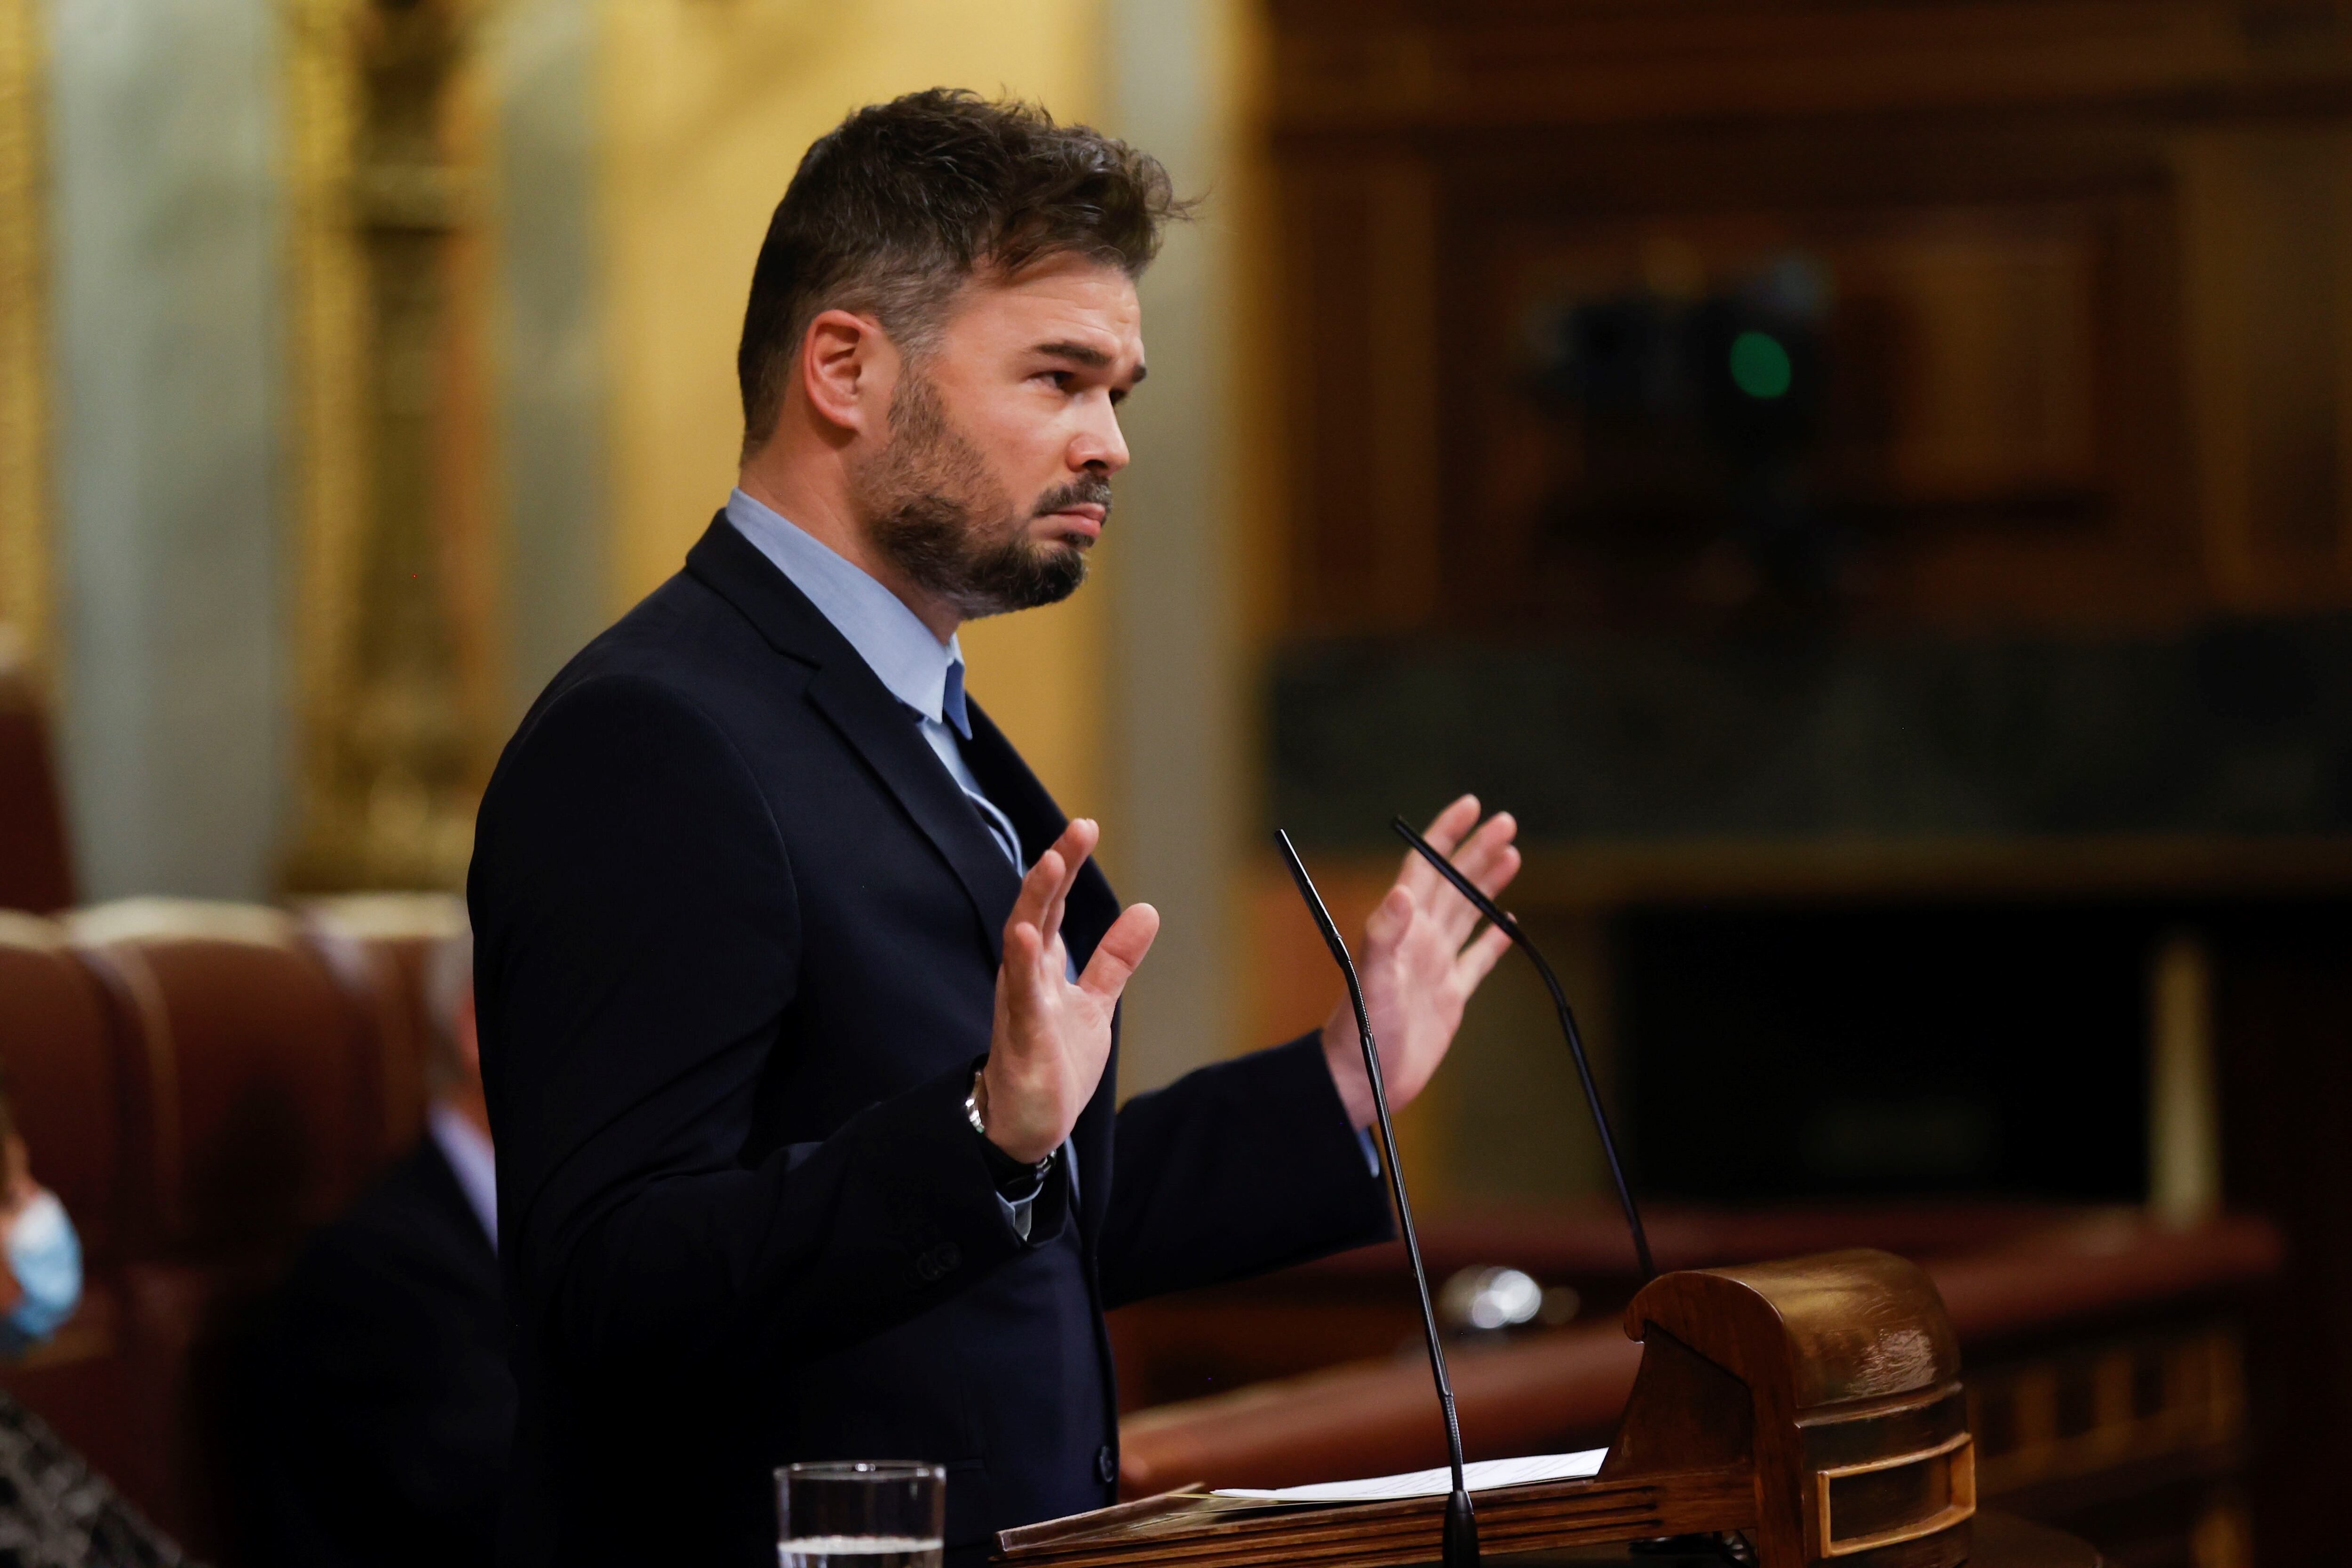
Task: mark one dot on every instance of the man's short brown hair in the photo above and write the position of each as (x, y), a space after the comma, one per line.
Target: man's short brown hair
(896, 206)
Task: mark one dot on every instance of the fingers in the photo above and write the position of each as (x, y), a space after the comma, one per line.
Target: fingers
(1036, 894)
(1077, 841)
(1480, 956)
(1390, 919)
(1489, 860)
(1028, 1060)
(1492, 860)
(1023, 978)
(1446, 828)
(1046, 890)
(1444, 831)
(1120, 952)
(1483, 852)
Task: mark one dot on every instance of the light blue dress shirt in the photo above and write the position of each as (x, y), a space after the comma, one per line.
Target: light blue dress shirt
(471, 1159)
(918, 669)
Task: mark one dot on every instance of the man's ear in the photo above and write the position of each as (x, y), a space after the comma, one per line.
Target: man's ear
(847, 367)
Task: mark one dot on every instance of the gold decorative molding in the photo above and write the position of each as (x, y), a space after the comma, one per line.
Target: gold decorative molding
(393, 472)
(27, 608)
(328, 383)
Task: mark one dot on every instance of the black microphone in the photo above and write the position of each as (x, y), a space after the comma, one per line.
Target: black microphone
(1510, 927)
(1461, 1537)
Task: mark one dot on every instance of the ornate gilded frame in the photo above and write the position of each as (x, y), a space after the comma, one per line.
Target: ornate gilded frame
(27, 579)
(394, 482)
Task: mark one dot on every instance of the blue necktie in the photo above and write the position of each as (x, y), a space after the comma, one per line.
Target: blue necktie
(958, 717)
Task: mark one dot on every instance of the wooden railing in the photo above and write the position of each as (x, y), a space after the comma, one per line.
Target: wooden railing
(2101, 1353)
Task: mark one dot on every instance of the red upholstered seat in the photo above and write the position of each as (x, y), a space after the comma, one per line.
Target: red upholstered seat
(249, 1105)
(59, 1060)
(201, 1089)
(381, 947)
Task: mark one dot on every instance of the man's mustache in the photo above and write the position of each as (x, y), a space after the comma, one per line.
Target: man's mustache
(1078, 492)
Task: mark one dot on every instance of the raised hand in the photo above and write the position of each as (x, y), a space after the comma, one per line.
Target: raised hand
(1418, 963)
(1052, 1037)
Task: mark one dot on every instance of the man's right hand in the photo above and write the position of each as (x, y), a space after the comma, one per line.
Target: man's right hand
(1052, 1037)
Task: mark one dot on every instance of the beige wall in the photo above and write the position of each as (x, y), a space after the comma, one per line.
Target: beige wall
(1182, 78)
(710, 105)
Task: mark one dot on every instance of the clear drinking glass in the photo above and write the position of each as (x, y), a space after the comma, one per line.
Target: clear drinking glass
(861, 1513)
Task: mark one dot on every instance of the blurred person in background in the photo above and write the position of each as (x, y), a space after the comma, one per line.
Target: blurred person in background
(55, 1511)
(389, 1407)
(40, 1284)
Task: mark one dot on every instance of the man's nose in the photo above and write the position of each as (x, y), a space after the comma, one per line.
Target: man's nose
(1099, 442)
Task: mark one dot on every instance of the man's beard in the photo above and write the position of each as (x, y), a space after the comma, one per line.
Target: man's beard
(931, 510)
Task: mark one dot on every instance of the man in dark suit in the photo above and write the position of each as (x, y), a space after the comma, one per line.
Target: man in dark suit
(389, 1410)
(799, 993)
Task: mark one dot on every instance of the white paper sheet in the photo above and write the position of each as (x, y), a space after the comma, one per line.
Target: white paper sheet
(1481, 1477)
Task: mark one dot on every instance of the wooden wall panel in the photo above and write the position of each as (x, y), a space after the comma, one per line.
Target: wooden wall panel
(1349, 63)
(2091, 339)
(2270, 261)
(1361, 250)
(1989, 430)
(2080, 494)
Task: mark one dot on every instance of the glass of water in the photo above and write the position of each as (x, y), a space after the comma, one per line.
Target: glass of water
(861, 1513)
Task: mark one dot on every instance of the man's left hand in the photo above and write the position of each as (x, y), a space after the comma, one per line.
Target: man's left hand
(1418, 963)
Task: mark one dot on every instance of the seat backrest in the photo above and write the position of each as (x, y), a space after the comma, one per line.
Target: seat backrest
(241, 1079)
(382, 946)
(250, 1114)
(36, 866)
(63, 1081)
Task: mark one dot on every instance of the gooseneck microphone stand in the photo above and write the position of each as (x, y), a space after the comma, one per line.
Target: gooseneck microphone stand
(1461, 1537)
(1503, 922)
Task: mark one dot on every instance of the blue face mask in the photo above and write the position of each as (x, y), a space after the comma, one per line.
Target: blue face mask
(44, 1255)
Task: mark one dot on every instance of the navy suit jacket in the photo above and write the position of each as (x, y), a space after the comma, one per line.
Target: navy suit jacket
(736, 938)
(390, 1411)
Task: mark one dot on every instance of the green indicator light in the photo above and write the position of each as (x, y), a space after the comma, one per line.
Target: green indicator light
(1759, 365)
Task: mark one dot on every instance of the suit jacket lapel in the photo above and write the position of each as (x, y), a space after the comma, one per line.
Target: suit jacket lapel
(1005, 779)
(875, 723)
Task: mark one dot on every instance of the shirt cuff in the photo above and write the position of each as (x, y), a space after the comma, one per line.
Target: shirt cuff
(1371, 1153)
(1018, 1212)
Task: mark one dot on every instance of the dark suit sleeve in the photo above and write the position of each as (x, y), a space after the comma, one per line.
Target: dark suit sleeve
(1234, 1169)
(638, 942)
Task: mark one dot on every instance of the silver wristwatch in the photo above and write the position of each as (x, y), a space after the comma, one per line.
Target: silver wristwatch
(972, 1114)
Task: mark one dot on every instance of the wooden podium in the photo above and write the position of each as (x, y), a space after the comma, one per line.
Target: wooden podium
(1813, 1406)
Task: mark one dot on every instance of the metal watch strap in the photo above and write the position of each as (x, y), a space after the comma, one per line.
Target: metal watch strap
(971, 1106)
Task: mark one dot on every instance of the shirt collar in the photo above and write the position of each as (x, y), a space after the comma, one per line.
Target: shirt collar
(471, 1159)
(918, 670)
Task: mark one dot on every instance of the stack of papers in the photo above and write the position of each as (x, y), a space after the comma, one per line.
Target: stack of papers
(1542, 1502)
(1480, 1477)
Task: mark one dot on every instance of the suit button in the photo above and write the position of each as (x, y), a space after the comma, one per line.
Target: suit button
(939, 1262)
(1105, 1464)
